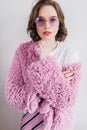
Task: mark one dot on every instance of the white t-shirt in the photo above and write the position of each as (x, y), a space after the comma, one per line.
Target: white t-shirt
(65, 54)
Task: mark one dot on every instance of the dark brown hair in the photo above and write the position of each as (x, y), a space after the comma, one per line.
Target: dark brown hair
(62, 32)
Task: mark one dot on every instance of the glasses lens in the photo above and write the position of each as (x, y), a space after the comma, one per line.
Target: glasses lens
(40, 21)
(53, 21)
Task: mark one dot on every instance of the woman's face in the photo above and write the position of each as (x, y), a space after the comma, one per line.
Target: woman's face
(47, 23)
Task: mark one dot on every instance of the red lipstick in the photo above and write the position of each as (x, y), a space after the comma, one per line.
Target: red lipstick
(47, 33)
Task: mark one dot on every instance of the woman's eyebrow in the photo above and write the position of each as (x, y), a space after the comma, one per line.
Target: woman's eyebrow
(48, 17)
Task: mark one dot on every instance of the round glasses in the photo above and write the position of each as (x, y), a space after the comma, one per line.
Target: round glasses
(41, 21)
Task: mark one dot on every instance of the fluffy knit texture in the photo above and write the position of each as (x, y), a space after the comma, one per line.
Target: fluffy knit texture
(34, 84)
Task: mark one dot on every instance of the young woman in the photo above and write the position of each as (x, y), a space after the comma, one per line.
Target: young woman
(45, 73)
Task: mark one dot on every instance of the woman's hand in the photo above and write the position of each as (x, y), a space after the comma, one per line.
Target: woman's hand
(68, 75)
(45, 48)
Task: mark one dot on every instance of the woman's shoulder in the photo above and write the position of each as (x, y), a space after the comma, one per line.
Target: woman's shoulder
(71, 54)
(67, 47)
(26, 46)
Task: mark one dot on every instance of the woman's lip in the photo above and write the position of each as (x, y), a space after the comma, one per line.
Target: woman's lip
(47, 33)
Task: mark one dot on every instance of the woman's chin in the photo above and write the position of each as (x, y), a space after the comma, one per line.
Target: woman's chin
(47, 37)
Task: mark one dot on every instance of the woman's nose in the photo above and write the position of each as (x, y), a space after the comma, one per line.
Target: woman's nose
(47, 25)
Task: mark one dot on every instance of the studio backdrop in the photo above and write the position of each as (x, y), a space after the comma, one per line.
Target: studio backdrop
(14, 15)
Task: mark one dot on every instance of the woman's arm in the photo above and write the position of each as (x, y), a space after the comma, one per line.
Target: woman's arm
(49, 81)
(18, 93)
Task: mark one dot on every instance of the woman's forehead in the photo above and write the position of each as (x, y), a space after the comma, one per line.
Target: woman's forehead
(47, 11)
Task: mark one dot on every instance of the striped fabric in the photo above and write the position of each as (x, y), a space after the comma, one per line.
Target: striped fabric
(32, 121)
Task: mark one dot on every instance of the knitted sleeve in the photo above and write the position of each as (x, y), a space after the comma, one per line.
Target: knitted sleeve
(47, 79)
(17, 92)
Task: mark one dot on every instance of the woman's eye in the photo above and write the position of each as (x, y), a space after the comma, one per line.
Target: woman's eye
(53, 20)
(41, 20)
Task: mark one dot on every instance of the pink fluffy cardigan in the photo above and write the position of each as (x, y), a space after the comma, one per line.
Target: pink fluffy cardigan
(40, 84)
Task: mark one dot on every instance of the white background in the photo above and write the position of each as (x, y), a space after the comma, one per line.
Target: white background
(13, 23)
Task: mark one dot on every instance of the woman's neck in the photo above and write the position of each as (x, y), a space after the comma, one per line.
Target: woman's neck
(54, 45)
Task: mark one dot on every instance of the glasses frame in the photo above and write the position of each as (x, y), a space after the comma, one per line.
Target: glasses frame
(54, 18)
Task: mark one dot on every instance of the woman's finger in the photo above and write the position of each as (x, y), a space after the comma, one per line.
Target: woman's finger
(68, 74)
(69, 78)
(65, 72)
